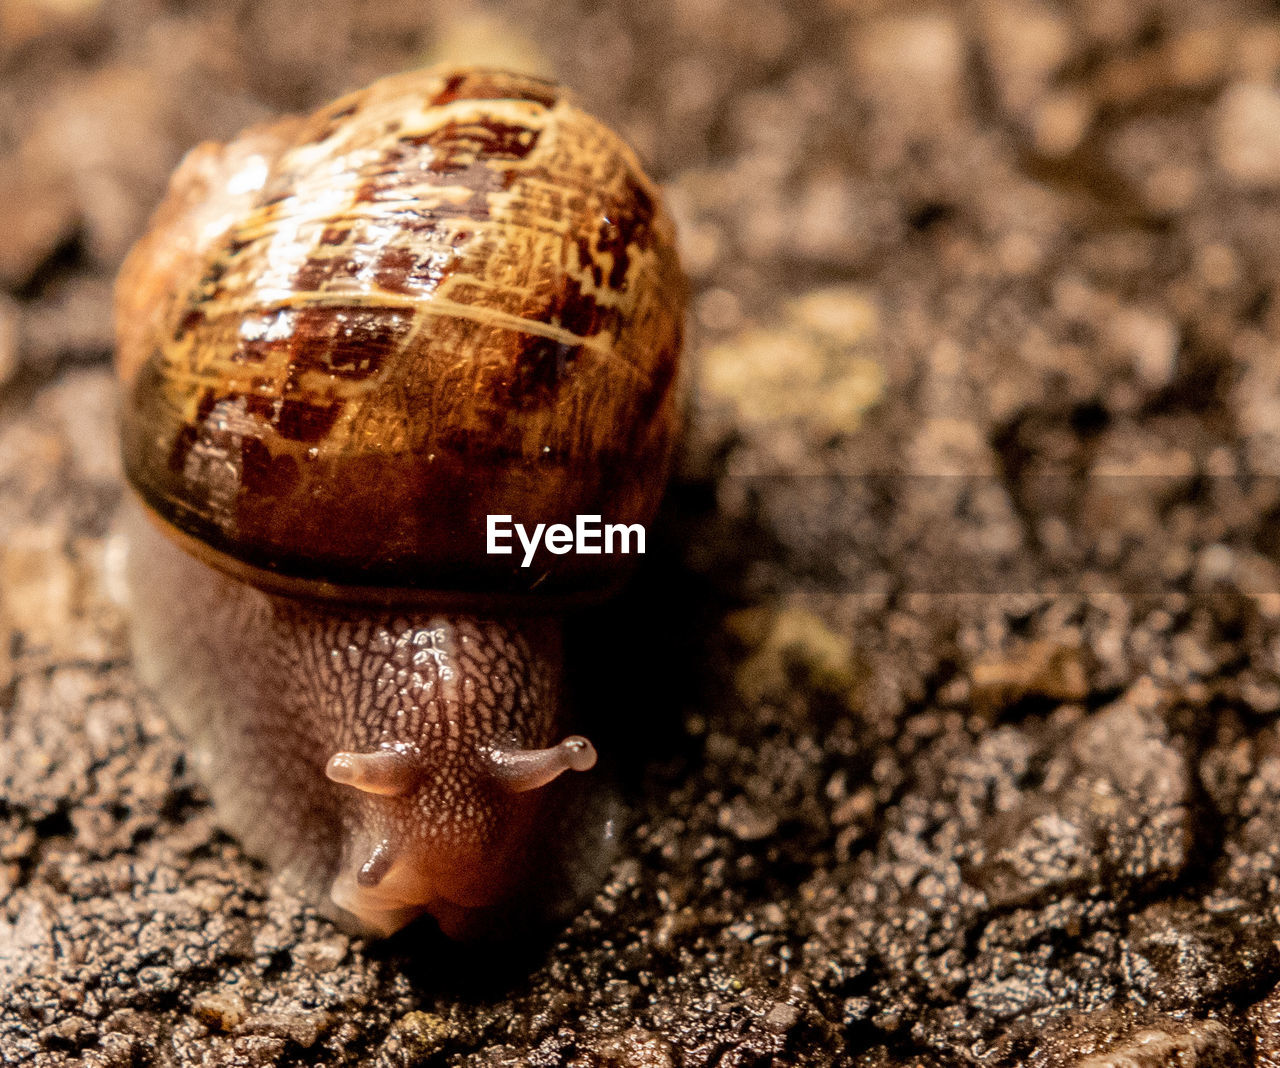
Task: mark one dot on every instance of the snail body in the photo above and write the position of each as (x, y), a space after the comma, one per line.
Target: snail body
(345, 342)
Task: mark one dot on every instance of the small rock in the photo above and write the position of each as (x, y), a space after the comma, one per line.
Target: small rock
(913, 66)
(27, 944)
(38, 585)
(1039, 669)
(819, 371)
(417, 1036)
(1026, 43)
(115, 1050)
(323, 955)
(833, 223)
(1061, 121)
(1264, 1020)
(1148, 341)
(83, 406)
(476, 38)
(1177, 957)
(37, 214)
(1205, 1044)
(789, 641)
(300, 1027)
(746, 821)
(1218, 266)
(637, 1048)
(781, 1018)
(219, 1010)
(1112, 807)
(1247, 135)
(841, 314)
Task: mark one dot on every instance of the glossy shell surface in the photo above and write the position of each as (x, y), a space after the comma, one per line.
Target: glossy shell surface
(350, 337)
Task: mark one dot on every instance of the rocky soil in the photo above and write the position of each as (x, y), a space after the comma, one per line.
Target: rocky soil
(949, 699)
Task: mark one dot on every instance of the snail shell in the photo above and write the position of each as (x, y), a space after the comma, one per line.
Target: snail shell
(346, 340)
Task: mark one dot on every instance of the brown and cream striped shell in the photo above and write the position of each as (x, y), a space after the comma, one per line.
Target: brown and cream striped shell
(349, 337)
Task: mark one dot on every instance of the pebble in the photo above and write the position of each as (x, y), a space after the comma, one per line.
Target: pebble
(746, 822)
(1043, 669)
(1142, 341)
(1025, 45)
(1061, 122)
(38, 583)
(417, 1036)
(37, 215)
(1206, 1042)
(817, 370)
(781, 1018)
(1264, 1019)
(913, 65)
(1247, 134)
(219, 1010)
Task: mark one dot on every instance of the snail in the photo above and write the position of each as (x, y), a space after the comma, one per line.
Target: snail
(345, 341)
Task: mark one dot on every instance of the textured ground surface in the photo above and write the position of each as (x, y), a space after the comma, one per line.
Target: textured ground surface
(951, 697)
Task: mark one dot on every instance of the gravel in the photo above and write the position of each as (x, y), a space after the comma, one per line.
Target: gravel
(945, 706)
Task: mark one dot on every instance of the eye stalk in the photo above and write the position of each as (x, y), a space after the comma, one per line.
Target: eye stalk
(520, 770)
(397, 771)
(391, 772)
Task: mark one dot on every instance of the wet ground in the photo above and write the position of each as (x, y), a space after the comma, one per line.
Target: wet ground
(949, 693)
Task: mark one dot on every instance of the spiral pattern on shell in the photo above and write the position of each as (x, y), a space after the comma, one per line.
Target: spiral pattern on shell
(350, 337)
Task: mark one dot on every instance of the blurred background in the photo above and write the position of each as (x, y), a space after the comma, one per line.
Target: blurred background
(955, 737)
(1036, 240)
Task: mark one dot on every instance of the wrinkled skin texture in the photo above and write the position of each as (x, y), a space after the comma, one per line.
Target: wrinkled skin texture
(285, 701)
